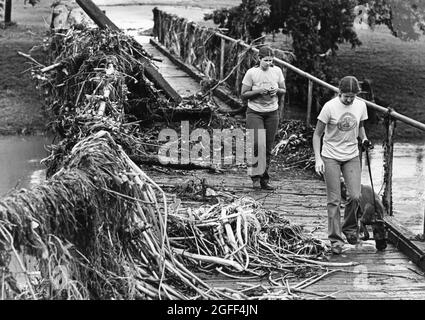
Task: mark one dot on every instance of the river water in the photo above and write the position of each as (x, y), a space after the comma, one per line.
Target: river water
(20, 158)
(408, 182)
(141, 16)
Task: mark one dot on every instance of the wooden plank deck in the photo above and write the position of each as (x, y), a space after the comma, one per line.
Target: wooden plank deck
(176, 77)
(379, 275)
(179, 79)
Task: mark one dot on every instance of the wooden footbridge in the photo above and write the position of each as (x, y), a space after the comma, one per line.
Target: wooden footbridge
(396, 273)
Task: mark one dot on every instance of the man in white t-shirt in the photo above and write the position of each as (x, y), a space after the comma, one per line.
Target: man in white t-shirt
(341, 120)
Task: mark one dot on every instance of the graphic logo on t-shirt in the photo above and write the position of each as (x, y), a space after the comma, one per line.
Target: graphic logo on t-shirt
(347, 122)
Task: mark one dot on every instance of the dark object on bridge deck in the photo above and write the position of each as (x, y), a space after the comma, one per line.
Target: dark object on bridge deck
(103, 22)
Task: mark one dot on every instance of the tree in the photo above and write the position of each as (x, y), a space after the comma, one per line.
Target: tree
(246, 21)
(316, 28)
(405, 18)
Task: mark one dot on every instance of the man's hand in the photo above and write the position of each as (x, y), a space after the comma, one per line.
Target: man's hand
(366, 144)
(273, 91)
(320, 166)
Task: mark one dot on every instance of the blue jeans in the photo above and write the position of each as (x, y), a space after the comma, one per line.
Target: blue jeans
(352, 175)
(270, 122)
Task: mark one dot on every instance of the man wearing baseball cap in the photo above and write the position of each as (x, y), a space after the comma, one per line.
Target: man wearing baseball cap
(341, 121)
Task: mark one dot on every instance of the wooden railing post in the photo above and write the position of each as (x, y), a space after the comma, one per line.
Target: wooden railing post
(160, 28)
(423, 231)
(238, 71)
(222, 48)
(8, 12)
(388, 164)
(309, 101)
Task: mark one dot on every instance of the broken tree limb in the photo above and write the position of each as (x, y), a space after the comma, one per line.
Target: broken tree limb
(152, 73)
(30, 58)
(51, 67)
(153, 160)
(326, 264)
(94, 12)
(217, 260)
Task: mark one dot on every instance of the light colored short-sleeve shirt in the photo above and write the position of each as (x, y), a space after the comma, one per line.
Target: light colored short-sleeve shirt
(257, 78)
(342, 128)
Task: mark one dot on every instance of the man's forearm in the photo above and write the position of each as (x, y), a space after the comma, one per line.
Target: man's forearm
(316, 146)
(362, 133)
(281, 106)
(250, 94)
(281, 92)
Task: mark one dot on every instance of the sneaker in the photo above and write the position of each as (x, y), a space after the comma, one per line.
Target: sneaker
(267, 186)
(381, 244)
(352, 238)
(256, 185)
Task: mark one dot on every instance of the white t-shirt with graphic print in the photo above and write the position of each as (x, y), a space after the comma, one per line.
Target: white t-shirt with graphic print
(257, 78)
(342, 128)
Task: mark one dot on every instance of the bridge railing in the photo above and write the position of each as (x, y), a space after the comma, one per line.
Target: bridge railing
(217, 56)
(223, 58)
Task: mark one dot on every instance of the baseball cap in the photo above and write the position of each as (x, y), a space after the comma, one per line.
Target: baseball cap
(349, 84)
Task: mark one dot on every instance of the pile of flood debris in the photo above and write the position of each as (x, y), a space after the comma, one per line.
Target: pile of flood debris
(294, 144)
(99, 227)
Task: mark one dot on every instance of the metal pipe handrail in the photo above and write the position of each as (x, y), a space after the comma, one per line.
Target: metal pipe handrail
(391, 112)
(394, 114)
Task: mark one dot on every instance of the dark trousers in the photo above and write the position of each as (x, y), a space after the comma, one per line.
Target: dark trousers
(270, 122)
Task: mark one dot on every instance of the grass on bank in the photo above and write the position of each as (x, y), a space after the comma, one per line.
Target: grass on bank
(20, 104)
(397, 69)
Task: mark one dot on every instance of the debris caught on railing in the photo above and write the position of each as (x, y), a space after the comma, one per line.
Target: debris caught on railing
(202, 48)
(295, 145)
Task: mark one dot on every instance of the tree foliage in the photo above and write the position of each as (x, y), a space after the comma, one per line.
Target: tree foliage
(405, 18)
(246, 21)
(315, 26)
